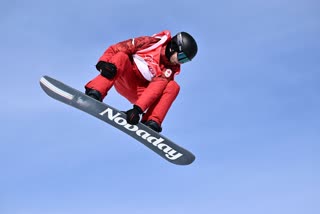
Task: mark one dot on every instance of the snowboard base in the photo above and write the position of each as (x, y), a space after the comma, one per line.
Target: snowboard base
(158, 143)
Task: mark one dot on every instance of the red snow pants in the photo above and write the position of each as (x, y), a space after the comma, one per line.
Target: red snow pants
(131, 84)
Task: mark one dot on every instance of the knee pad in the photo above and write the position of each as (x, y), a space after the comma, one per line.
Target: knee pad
(107, 69)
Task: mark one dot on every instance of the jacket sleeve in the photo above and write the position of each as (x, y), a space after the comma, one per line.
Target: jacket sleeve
(156, 87)
(152, 92)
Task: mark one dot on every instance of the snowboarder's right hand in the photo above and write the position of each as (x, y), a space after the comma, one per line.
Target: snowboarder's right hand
(133, 115)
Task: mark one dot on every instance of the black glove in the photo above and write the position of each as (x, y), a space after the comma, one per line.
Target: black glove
(133, 115)
(107, 69)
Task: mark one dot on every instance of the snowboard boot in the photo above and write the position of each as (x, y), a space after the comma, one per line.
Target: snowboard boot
(153, 125)
(94, 94)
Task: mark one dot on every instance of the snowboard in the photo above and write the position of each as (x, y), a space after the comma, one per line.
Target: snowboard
(158, 143)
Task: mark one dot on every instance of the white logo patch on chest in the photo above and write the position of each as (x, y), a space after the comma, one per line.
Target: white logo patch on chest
(168, 73)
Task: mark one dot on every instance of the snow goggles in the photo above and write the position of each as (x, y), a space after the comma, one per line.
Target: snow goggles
(182, 57)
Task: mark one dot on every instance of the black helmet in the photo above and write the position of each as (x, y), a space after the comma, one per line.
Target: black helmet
(184, 44)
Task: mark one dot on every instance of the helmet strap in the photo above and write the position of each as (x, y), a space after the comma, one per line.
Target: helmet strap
(170, 49)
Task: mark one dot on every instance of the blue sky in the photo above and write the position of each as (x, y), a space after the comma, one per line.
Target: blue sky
(248, 109)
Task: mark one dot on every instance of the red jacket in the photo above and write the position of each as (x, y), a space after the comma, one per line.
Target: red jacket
(165, 71)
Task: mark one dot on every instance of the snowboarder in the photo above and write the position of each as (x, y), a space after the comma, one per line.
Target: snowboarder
(142, 70)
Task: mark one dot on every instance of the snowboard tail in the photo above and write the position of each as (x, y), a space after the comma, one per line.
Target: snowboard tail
(158, 143)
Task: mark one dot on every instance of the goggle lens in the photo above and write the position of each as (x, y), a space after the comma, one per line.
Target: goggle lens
(182, 58)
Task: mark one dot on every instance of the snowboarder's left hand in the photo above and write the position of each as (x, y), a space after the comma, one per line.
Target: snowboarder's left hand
(133, 115)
